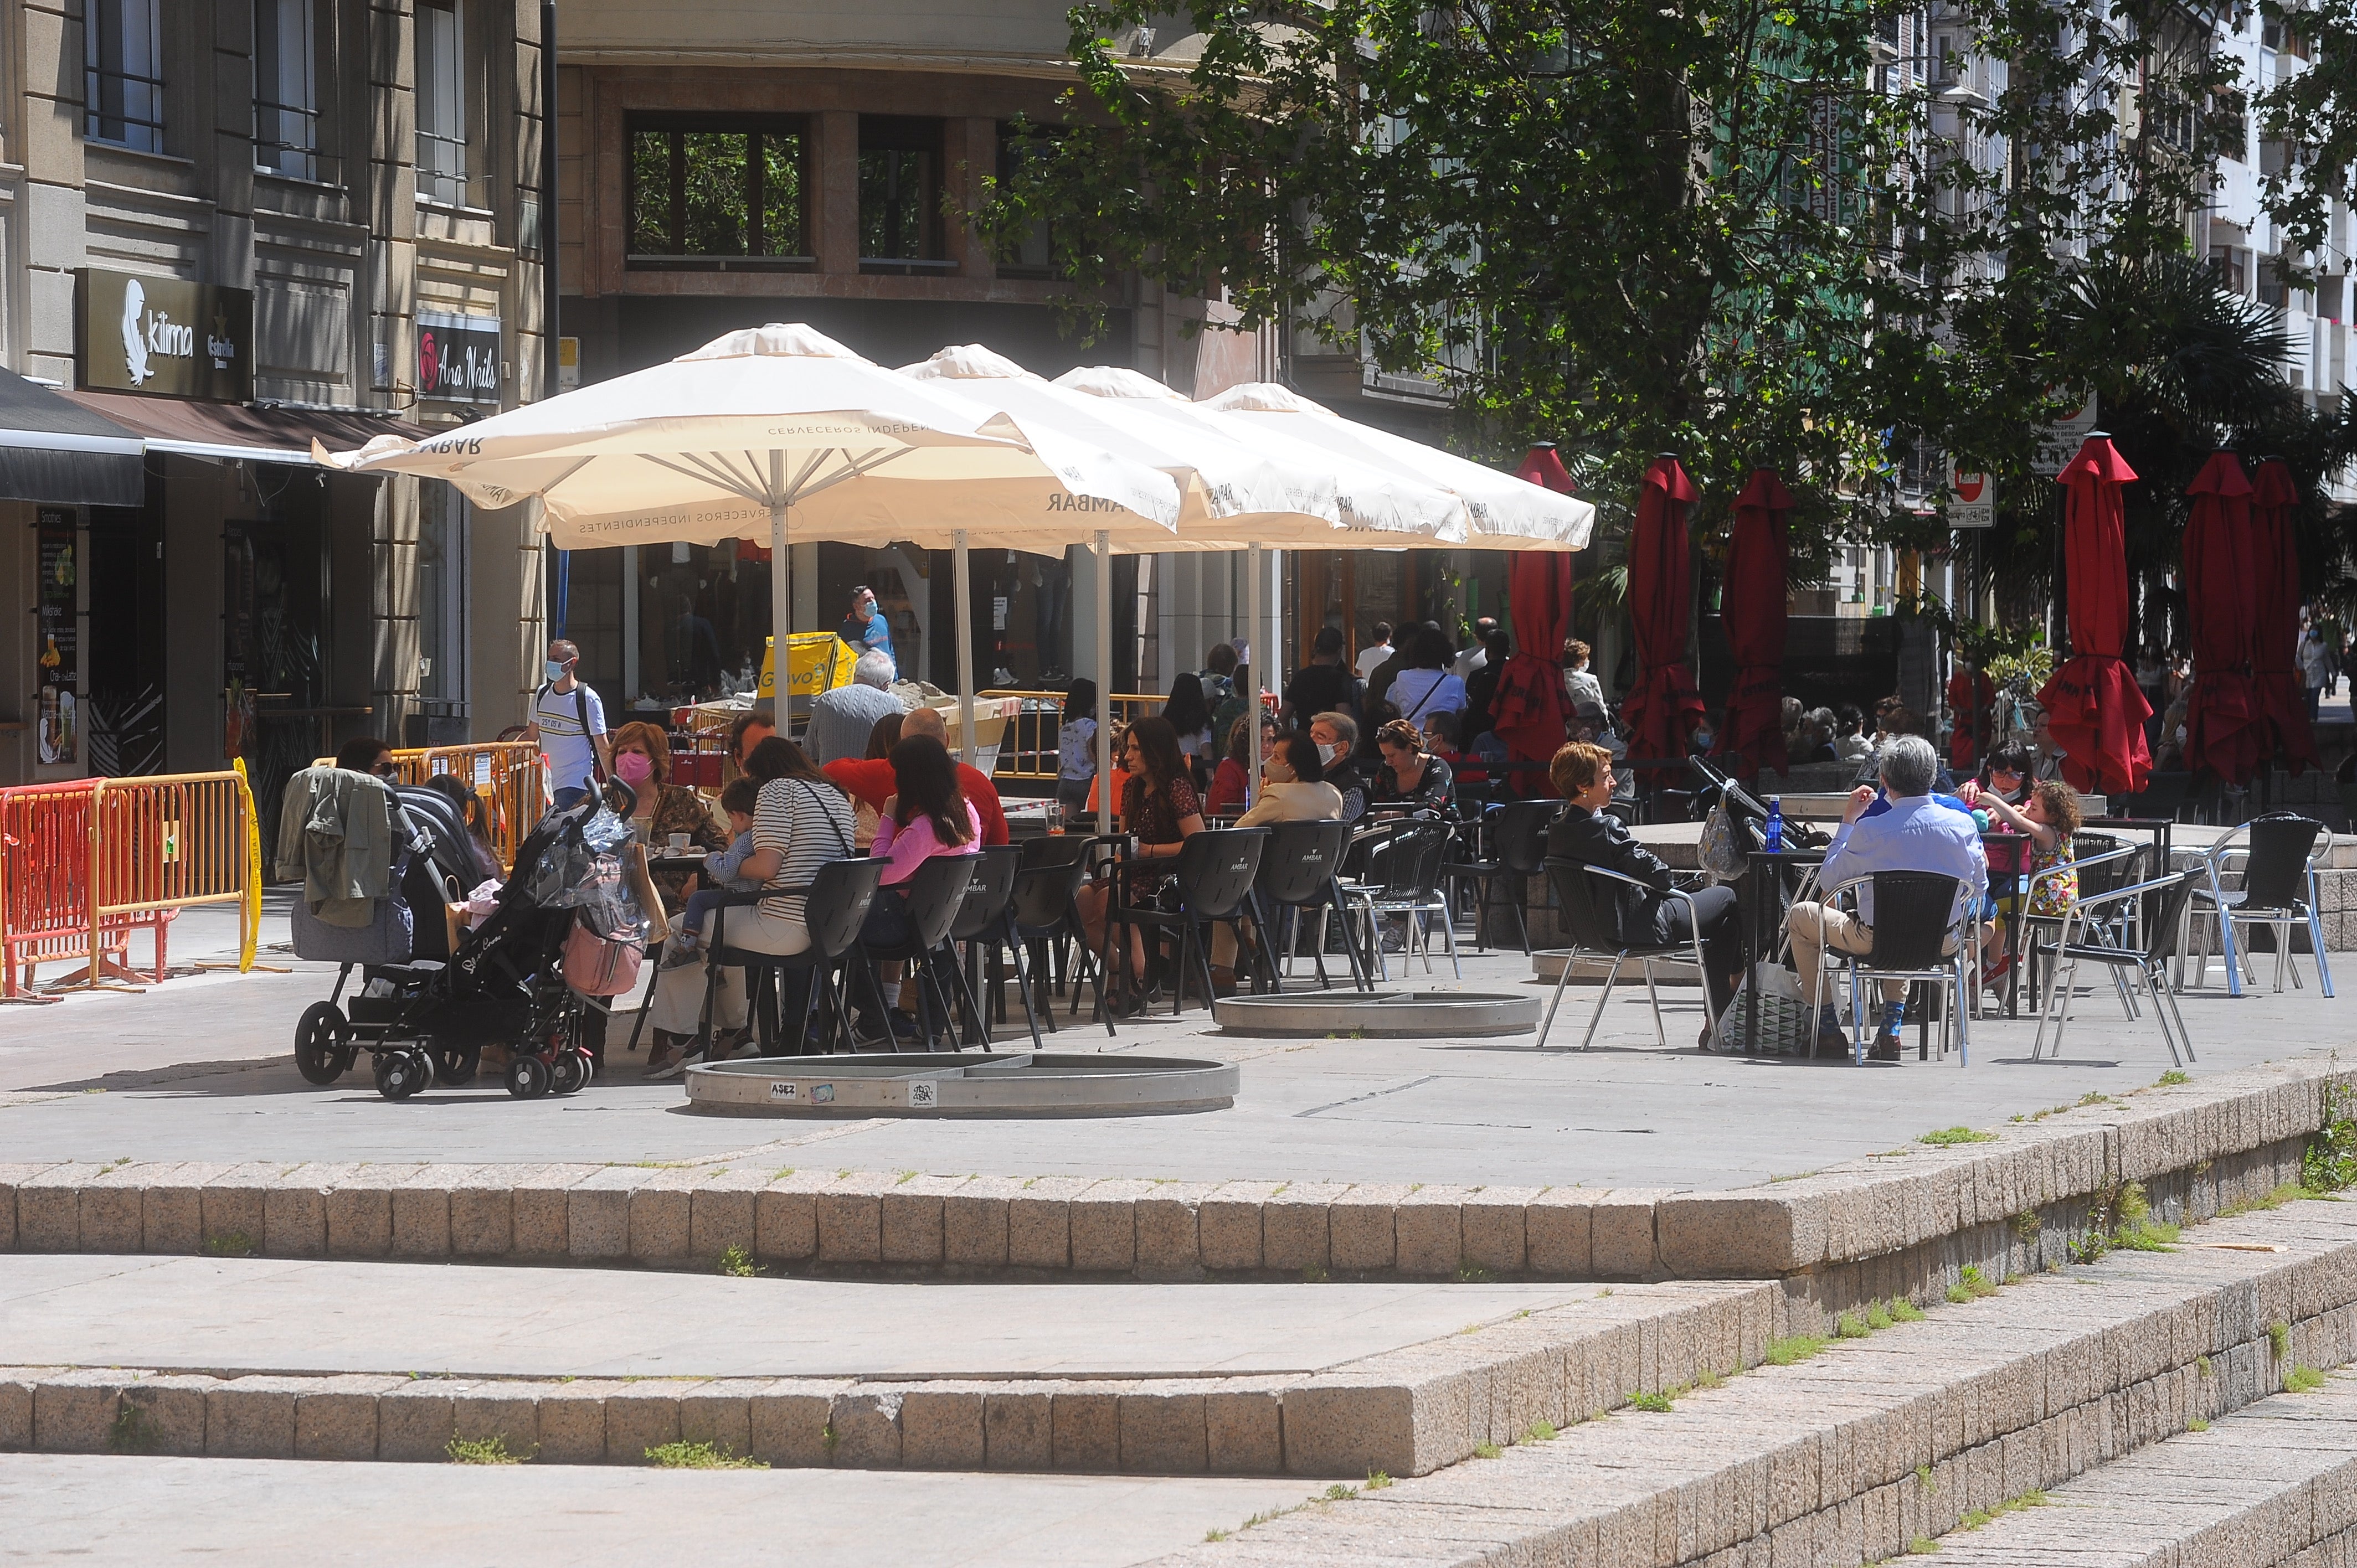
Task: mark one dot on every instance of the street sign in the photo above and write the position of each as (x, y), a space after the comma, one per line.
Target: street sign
(1972, 498)
(2063, 438)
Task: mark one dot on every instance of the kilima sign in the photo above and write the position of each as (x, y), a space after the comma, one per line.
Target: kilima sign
(163, 335)
(458, 358)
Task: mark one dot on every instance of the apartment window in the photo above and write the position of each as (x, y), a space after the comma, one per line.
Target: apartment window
(900, 194)
(122, 73)
(2230, 267)
(1034, 253)
(441, 104)
(2273, 289)
(286, 89)
(707, 189)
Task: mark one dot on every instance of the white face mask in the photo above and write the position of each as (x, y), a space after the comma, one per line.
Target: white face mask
(1276, 772)
(1328, 753)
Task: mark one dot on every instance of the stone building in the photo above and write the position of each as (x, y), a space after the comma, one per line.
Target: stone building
(233, 228)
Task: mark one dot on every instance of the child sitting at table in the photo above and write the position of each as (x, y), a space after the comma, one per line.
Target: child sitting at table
(2049, 816)
(719, 876)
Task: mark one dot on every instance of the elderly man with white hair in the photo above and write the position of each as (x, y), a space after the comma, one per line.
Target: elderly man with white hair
(872, 780)
(1912, 830)
(840, 719)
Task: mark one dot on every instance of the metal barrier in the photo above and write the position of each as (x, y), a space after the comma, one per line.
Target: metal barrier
(85, 863)
(1029, 749)
(509, 777)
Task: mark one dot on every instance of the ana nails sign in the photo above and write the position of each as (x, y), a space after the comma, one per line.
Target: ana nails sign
(163, 334)
(458, 358)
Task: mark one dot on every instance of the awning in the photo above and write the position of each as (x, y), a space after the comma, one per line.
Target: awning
(230, 430)
(51, 450)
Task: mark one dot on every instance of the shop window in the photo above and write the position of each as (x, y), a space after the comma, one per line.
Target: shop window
(286, 89)
(900, 195)
(705, 189)
(442, 104)
(1034, 253)
(122, 73)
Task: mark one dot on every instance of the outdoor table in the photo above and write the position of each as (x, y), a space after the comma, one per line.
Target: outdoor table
(1763, 888)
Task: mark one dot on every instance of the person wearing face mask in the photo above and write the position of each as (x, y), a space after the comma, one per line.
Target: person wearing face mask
(1337, 736)
(1293, 785)
(568, 724)
(641, 754)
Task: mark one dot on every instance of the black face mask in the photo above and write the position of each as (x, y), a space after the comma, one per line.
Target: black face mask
(385, 769)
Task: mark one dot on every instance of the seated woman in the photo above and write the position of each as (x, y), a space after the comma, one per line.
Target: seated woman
(927, 816)
(800, 821)
(1410, 776)
(1293, 787)
(641, 755)
(1159, 807)
(480, 849)
(1232, 783)
(1583, 832)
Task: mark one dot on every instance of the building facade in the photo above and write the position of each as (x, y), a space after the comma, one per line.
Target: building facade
(237, 227)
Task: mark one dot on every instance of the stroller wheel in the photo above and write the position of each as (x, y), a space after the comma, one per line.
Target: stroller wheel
(569, 1074)
(454, 1066)
(400, 1074)
(526, 1077)
(320, 1055)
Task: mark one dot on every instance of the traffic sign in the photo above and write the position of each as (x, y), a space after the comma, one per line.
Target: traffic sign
(1972, 498)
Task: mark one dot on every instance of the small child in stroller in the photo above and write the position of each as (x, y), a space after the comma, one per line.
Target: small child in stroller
(739, 801)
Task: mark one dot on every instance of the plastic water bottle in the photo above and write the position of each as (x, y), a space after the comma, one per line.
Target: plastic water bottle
(1775, 824)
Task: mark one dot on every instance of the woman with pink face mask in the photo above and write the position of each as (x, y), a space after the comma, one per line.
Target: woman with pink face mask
(643, 761)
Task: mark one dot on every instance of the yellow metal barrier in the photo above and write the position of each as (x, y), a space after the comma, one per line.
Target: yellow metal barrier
(510, 778)
(168, 843)
(1029, 748)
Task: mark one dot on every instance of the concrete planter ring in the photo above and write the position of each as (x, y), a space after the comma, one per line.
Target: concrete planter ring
(1381, 1014)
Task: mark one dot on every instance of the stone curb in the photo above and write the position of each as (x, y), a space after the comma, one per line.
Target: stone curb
(1900, 1224)
(1404, 1412)
(1848, 1456)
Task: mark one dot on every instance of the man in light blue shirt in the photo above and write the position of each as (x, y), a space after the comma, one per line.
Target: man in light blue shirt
(1916, 833)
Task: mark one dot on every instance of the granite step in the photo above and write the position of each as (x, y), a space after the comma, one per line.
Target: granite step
(1849, 1455)
(2274, 1484)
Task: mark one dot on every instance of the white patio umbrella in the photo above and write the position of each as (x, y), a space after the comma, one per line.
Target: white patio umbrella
(1505, 511)
(779, 432)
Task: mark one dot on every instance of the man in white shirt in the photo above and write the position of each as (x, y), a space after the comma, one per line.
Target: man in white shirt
(1476, 657)
(1370, 657)
(568, 725)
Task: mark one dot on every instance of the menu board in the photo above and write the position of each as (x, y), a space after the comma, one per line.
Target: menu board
(58, 625)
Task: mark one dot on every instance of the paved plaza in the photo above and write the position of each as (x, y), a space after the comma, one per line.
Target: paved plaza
(195, 1076)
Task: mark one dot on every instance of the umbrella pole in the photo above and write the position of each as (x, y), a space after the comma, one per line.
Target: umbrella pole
(1253, 631)
(782, 593)
(962, 577)
(1104, 680)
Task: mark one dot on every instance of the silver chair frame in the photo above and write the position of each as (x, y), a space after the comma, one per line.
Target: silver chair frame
(2238, 958)
(1665, 953)
(2125, 922)
(2063, 983)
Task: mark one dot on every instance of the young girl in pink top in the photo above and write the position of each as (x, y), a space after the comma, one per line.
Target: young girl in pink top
(926, 816)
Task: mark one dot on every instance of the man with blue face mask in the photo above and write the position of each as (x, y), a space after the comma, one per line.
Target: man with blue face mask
(568, 725)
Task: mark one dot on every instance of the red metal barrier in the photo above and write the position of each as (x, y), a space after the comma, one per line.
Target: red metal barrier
(45, 912)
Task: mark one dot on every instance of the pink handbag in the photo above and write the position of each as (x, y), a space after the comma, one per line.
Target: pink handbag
(600, 966)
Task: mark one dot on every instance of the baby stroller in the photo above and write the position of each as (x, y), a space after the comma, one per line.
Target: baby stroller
(425, 1008)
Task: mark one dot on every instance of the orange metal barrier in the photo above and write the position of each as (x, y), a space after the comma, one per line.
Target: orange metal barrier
(85, 865)
(511, 776)
(1029, 749)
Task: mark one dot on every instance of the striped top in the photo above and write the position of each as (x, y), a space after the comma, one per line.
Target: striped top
(809, 824)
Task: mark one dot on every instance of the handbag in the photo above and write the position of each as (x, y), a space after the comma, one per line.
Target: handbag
(1784, 1028)
(1723, 847)
(600, 966)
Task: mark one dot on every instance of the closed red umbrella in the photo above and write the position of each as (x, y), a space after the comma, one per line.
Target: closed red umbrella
(2092, 702)
(2224, 731)
(1531, 711)
(1663, 706)
(2274, 599)
(1751, 606)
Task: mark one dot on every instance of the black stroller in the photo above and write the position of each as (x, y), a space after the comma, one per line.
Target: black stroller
(425, 1009)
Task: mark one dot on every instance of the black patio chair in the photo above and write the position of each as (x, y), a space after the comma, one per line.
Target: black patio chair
(983, 912)
(834, 905)
(1920, 934)
(935, 893)
(1040, 912)
(2278, 889)
(2146, 963)
(1517, 852)
(2163, 799)
(1588, 897)
(1213, 874)
(1403, 879)
(1298, 872)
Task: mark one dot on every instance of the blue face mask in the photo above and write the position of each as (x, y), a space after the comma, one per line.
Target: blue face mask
(556, 669)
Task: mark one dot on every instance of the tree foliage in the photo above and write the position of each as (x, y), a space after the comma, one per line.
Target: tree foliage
(1745, 231)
